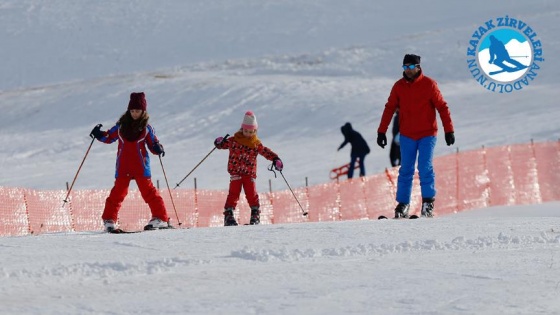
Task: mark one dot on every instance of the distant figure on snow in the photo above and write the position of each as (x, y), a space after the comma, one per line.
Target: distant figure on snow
(359, 149)
(499, 54)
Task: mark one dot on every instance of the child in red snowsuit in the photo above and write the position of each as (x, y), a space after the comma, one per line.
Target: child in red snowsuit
(134, 135)
(244, 147)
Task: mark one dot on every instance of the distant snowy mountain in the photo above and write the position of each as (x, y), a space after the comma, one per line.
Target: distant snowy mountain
(304, 68)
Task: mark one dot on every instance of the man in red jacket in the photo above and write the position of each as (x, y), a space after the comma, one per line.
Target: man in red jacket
(417, 97)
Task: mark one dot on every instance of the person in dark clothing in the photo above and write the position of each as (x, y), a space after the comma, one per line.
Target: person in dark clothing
(359, 150)
(395, 152)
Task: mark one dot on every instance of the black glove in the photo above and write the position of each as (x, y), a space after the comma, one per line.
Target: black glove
(96, 132)
(278, 165)
(381, 139)
(450, 138)
(158, 149)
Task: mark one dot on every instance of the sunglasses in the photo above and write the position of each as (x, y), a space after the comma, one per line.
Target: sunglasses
(411, 67)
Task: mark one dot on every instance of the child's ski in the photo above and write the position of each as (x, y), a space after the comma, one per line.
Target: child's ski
(382, 217)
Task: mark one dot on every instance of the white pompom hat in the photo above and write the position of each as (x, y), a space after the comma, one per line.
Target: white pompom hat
(249, 121)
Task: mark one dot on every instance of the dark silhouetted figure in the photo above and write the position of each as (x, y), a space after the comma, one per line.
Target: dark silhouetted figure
(359, 150)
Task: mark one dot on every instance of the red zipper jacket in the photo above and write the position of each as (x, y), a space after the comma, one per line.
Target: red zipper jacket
(132, 156)
(417, 101)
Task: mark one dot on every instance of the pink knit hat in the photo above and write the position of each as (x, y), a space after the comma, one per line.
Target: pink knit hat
(249, 121)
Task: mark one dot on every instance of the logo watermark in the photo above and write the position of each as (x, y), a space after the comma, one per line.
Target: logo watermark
(504, 55)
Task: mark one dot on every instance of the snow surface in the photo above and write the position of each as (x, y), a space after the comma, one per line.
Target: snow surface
(502, 260)
(305, 68)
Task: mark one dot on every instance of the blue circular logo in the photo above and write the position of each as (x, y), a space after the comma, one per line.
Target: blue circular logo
(504, 55)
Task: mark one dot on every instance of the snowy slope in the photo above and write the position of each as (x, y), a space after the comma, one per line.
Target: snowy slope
(304, 68)
(493, 261)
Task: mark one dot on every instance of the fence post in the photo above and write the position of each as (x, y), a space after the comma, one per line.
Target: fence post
(196, 203)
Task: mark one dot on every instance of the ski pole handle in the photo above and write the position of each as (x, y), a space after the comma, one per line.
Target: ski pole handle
(224, 138)
(97, 127)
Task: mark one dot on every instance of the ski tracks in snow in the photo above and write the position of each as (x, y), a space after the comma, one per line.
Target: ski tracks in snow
(501, 241)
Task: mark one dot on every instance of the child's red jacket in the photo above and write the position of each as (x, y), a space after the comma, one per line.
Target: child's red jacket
(243, 154)
(132, 156)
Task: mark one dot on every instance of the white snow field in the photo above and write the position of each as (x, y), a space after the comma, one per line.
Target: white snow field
(305, 68)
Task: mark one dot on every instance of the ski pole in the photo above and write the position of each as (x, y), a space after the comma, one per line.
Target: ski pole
(79, 168)
(168, 189)
(303, 211)
(207, 155)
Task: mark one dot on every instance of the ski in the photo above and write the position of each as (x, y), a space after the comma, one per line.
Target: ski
(150, 228)
(121, 231)
(505, 70)
(412, 217)
(146, 228)
(497, 72)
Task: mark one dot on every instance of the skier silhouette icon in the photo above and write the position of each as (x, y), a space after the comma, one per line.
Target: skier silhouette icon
(499, 55)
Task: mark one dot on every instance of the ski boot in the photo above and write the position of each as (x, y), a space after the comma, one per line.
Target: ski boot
(401, 211)
(229, 219)
(427, 207)
(157, 224)
(255, 216)
(109, 225)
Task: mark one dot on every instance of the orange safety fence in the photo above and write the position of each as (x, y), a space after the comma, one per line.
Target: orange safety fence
(506, 175)
(324, 201)
(338, 172)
